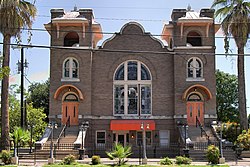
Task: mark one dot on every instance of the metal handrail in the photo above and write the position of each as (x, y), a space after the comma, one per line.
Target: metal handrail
(63, 131)
(198, 123)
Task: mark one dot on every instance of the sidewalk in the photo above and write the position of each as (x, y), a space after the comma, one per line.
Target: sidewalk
(245, 162)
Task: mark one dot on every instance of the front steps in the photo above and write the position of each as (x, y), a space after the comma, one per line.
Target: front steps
(63, 148)
(198, 147)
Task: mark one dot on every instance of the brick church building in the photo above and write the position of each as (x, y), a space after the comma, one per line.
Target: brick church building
(132, 82)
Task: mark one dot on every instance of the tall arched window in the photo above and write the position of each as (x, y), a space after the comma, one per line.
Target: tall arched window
(132, 89)
(70, 68)
(194, 68)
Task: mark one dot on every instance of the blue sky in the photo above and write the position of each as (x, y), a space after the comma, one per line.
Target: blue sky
(112, 15)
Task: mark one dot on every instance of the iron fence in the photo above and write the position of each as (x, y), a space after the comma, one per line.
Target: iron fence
(152, 151)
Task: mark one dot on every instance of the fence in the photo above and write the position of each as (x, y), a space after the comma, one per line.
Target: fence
(152, 151)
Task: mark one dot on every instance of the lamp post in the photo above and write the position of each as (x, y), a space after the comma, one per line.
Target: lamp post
(52, 126)
(83, 128)
(186, 150)
(143, 128)
(221, 150)
(222, 159)
(31, 143)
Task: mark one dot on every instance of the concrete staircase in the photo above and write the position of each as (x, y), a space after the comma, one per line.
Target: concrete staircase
(198, 147)
(63, 148)
(195, 134)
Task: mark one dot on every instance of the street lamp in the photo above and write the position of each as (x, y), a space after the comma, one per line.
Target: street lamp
(83, 128)
(52, 126)
(186, 150)
(31, 142)
(143, 128)
(222, 159)
(185, 135)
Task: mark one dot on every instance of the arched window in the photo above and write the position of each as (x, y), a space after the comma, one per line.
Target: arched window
(70, 68)
(194, 97)
(70, 97)
(193, 39)
(71, 39)
(132, 89)
(194, 68)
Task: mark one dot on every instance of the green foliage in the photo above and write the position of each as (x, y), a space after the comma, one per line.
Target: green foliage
(230, 131)
(213, 154)
(39, 95)
(183, 160)
(14, 108)
(95, 160)
(69, 160)
(35, 116)
(166, 161)
(20, 136)
(234, 16)
(243, 139)
(6, 157)
(14, 16)
(227, 97)
(119, 153)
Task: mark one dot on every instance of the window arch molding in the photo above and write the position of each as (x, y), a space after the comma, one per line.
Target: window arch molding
(70, 69)
(194, 68)
(132, 83)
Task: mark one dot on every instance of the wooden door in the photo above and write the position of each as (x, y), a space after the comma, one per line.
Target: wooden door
(70, 111)
(195, 109)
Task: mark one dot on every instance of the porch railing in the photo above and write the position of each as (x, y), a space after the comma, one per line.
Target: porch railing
(198, 124)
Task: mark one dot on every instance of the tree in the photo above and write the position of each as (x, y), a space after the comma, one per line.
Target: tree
(119, 153)
(227, 97)
(39, 96)
(35, 116)
(19, 136)
(14, 108)
(235, 16)
(14, 14)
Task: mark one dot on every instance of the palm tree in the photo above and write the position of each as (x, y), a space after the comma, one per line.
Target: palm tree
(19, 136)
(14, 14)
(119, 153)
(235, 16)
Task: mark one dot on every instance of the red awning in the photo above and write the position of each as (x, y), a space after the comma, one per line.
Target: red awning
(132, 124)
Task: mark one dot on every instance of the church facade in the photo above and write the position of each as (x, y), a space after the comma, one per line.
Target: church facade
(132, 83)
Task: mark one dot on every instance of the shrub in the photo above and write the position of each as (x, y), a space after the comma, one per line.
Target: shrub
(69, 160)
(95, 160)
(166, 161)
(243, 139)
(183, 160)
(213, 154)
(119, 153)
(6, 157)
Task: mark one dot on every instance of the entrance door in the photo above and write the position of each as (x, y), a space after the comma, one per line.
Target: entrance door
(121, 137)
(195, 109)
(70, 111)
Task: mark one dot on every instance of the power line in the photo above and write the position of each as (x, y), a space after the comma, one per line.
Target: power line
(125, 51)
(113, 33)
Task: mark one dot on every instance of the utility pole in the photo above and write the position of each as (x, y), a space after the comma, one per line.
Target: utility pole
(21, 66)
(22, 120)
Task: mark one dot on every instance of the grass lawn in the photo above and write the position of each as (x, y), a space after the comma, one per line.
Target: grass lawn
(84, 165)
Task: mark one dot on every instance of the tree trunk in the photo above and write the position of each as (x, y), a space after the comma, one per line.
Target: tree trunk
(242, 89)
(5, 95)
